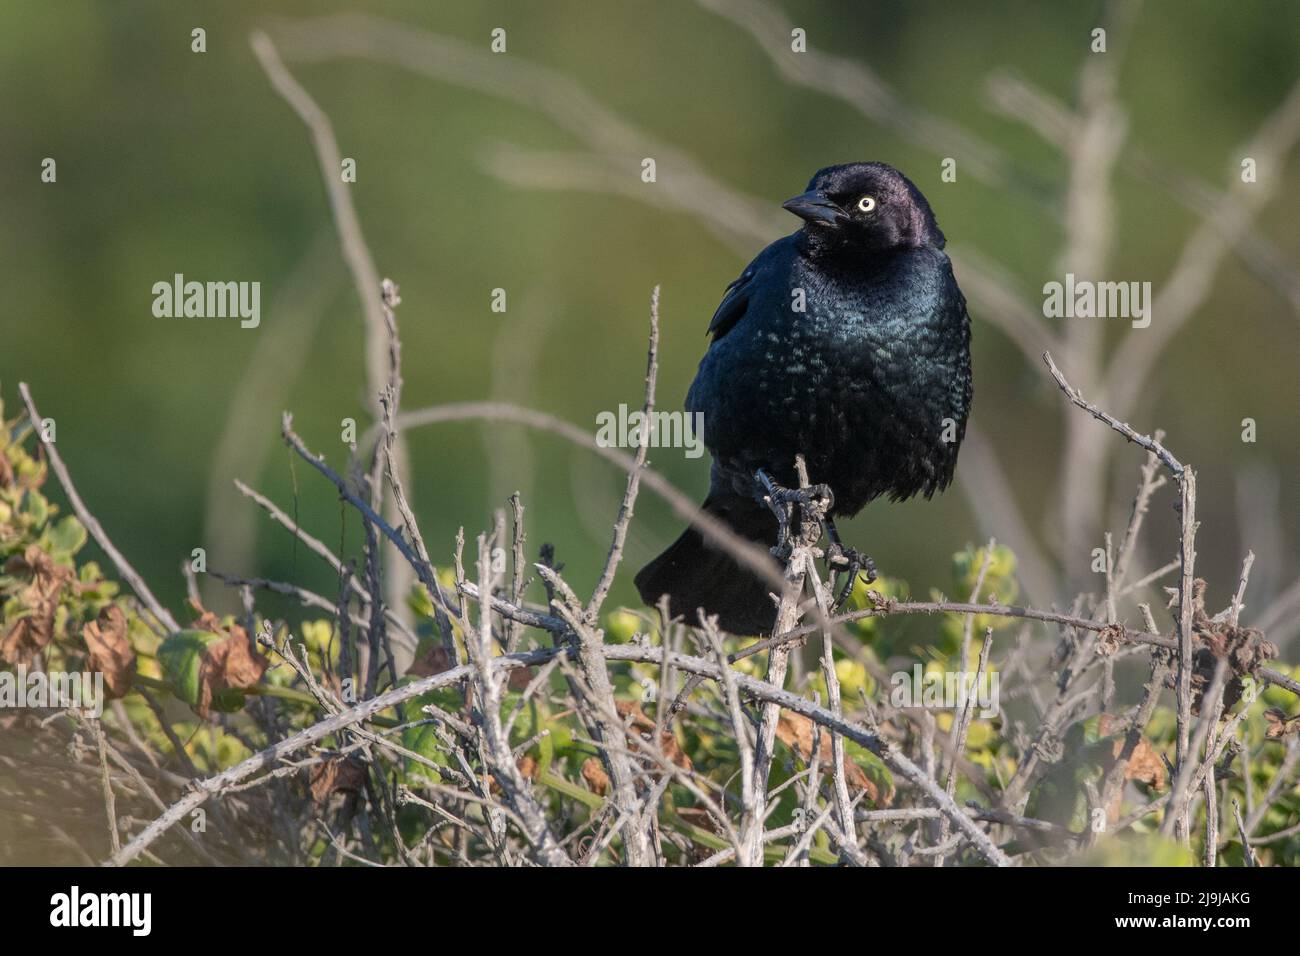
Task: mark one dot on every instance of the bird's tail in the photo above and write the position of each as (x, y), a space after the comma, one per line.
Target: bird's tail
(695, 574)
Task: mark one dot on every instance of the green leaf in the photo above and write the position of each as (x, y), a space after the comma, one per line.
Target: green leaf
(423, 739)
(419, 601)
(874, 768)
(181, 656)
(620, 626)
(37, 509)
(66, 537)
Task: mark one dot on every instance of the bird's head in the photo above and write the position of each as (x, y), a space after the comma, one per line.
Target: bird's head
(864, 207)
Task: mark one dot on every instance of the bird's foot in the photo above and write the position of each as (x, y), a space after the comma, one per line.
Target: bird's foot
(851, 562)
(799, 513)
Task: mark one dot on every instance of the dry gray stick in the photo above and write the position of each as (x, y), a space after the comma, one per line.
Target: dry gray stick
(513, 631)
(1238, 599)
(1211, 849)
(90, 521)
(761, 690)
(355, 252)
(308, 598)
(422, 568)
(1114, 779)
(110, 802)
(787, 616)
(750, 809)
(1247, 852)
(842, 804)
(317, 547)
(1281, 779)
(1186, 610)
(1187, 558)
(1150, 444)
(624, 519)
(606, 725)
(1148, 486)
(746, 553)
(1176, 821)
(948, 760)
(961, 727)
(514, 786)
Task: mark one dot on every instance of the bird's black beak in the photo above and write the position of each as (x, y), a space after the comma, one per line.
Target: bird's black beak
(813, 206)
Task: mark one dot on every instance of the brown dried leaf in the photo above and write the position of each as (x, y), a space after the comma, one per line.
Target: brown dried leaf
(796, 732)
(529, 767)
(433, 659)
(594, 774)
(1145, 766)
(519, 679)
(1243, 648)
(25, 638)
(639, 718)
(1109, 640)
(110, 651)
(229, 664)
(336, 774)
(702, 818)
(642, 722)
(206, 621)
(1279, 724)
(28, 634)
(49, 577)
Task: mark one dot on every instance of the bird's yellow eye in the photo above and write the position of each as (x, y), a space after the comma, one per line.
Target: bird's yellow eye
(866, 204)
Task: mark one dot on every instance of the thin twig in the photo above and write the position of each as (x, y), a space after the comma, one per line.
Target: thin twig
(624, 519)
(92, 524)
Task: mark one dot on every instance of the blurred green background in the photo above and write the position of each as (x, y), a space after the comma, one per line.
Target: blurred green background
(171, 161)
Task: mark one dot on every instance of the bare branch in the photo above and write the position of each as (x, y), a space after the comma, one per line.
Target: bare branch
(634, 475)
(92, 524)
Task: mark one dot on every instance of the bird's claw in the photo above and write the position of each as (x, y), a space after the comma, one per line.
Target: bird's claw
(851, 562)
(819, 497)
(799, 512)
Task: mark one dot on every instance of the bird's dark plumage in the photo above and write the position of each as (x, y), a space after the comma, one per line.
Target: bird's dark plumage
(847, 342)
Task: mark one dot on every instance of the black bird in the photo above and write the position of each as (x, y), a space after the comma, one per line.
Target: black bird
(848, 342)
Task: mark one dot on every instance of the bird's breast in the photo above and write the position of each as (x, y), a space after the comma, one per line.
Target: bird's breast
(862, 379)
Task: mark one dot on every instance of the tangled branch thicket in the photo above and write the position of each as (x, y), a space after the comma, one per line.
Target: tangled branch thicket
(535, 726)
(475, 755)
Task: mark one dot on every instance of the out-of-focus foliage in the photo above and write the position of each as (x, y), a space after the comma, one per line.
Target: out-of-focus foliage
(176, 162)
